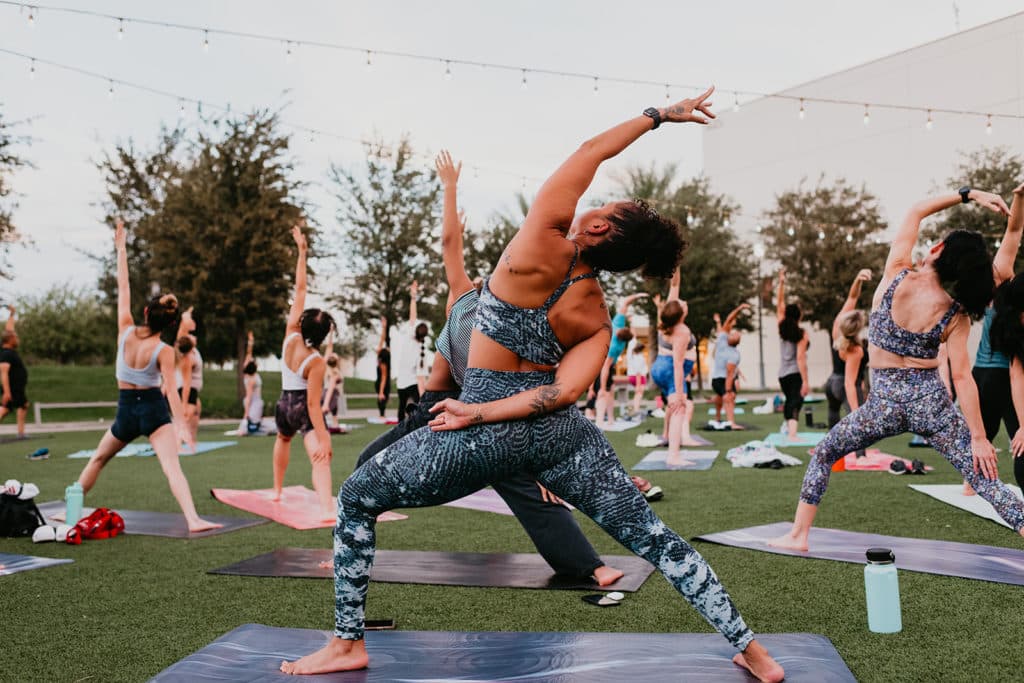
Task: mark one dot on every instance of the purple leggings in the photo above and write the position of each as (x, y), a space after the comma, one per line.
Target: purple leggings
(908, 400)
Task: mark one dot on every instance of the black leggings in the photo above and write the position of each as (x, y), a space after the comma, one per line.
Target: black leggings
(551, 527)
(408, 397)
(791, 385)
(997, 406)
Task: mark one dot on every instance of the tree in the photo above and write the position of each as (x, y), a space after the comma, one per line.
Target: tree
(823, 236)
(66, 325)
(994, 169)
(10, 162)
(390, 225)
(209, 220)
(484, 247)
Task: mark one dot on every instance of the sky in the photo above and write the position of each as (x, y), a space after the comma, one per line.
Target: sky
(516, 136)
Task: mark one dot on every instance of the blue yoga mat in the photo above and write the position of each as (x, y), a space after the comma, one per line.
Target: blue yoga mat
(656, 460)
(12, 564)
(254, 652)
(144, 450)
(806, 439)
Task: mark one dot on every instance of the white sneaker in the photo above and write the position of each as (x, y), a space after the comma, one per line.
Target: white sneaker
(658, 412)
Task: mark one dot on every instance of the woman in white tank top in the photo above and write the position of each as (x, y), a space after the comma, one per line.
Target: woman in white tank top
(298, 409)
(189, 373)
(252, 405)
(143, 361)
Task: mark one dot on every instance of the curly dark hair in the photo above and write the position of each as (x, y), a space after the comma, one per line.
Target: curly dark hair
(789, 326)
(965, 268)
(640, 238)
(315, 325)
(161, 312)
(1007, 332)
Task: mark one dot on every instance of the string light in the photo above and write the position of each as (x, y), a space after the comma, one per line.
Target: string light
(32, 70)
(928, 124)
(988, 125)
(668, 99)
(181, 107)
(523, 82)
(120, 29)
(447, 70)
(727, 222)
(849, 237)
(689, 218)
(821, 234)
(802, 112)
(369, 59)
(288, 56)
(789, 232)
(206, 40)
(867, 116)
(595, 85)
(31, 17)
(735, 101)
(110, 91)
(757, 228)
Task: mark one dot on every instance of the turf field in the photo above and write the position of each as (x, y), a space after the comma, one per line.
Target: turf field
(130, 606)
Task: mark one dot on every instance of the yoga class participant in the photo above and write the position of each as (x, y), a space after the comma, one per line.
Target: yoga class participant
(621, 336)
(671, 369)
(541, 308)
(411, 359)
(849, 356)
(549, 524)
(142, 362)
(13, 375)
(302, 384)
(793, 343)
(382, 384)
(912, 314)
(188, 375)
(725, 370)
(637, 371)
(253, 402)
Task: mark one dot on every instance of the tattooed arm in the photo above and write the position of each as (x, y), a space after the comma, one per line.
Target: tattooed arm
(575, 373)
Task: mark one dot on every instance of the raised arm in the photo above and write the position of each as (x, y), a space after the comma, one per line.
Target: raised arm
(250, 341)
(187, 324)
(575, 373)
(555, 204)
(11, 313)
(414, 292)
(383, 334)
(901, 252)
(780, 299)
(299, 299)
(622, 307)
(851, 298)
(1002, 264)
(124, 295)
(673, 286)
(730, 321)
(453, 227)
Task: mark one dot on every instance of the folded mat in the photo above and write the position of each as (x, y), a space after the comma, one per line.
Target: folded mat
(780, 440)
(144, 449)
(874, 460)
(482, 570)
(953, 494)
(12, 564)
(167, 524)
(254, 652)
(983, 562)
(298, 508)
(657, 460)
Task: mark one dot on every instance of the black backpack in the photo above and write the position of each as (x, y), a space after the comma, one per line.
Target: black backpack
(18, 517)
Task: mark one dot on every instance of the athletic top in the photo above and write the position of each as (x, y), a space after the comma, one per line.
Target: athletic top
(293, 380)
(788, 364)
(17, 374)
(724, 354)
(197, 372)
(637, 364)
(839, 365)
(617, 346)
(411, 362)
(884, 333)
(987, 358)
(525, 331)
(453, 341)
(664, 343)
(148, 377)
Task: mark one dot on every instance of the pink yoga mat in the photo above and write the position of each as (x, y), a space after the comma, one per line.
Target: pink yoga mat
(484, 500)
(298, 507)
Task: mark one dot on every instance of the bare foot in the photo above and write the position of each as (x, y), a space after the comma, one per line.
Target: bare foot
(276, 498)
(789, 541)
(337, 655)
(758, 662)
(690, 443)
(202, 525)
(968, 489)
(606, 576)
(736, 427)
(325, 564)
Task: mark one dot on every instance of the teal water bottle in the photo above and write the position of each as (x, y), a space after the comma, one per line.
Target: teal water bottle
(882, 588)
(74, 497)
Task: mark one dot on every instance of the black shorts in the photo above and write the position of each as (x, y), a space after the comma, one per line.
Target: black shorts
(193, 395)
(140, 412)
(718, 385)
(18, 400)
(291, 414)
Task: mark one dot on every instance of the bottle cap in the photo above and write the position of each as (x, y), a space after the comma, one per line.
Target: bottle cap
(880, 556)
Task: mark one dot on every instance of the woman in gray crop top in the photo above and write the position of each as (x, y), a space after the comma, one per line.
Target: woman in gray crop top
(793, 343)
(142, 405)
(542, 334)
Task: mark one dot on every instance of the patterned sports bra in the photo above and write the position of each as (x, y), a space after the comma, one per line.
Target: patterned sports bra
(525, 331)
(884, 333)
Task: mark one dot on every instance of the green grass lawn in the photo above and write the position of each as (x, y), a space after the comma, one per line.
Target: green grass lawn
(130, 606)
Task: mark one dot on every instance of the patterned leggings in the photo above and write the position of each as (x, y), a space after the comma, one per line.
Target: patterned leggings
(908, 400)
(562, 450)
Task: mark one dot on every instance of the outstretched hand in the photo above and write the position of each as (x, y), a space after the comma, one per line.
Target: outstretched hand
(990, 201)
(120, 236)
(299, 236)
(447, 170)
(864, 275)
(1019, 190)
(691, 110)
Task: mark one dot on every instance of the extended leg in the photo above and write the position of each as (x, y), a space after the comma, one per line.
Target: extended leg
(108, 447)
(282, 453)
(321, 478)
(165, 443)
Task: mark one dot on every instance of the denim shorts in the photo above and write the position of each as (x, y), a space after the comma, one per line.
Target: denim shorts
(663, 374)
(140, 412)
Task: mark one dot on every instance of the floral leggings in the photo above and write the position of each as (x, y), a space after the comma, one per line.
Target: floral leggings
(908, 400)
(566, 453)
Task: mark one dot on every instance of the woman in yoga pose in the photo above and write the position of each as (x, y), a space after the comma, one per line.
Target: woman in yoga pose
(541, 308)
(143, 361)
(382, 385)
(252, 404)
(622, 334)
(793, 343)
(911, 316)
(302, 384)
(549, 524)
(189, 372)
(849, 355)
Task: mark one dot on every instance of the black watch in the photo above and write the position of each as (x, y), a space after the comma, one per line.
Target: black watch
(964, 191)
(655, 115)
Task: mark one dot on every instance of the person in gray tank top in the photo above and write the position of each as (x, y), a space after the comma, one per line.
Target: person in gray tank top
(793, 343)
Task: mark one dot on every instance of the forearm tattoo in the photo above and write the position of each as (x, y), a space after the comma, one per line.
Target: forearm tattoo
(478, 417)
(545, 399)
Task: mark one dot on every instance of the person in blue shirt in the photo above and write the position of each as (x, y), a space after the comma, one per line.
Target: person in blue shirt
(621, 335)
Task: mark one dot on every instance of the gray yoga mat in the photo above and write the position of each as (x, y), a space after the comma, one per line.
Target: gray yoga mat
(254, 653)
(12, 564)
(965, 560)
(657, 460)
(167, 524)
(482, 570)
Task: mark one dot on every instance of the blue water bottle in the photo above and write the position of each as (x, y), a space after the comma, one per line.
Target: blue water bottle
(74, 497)
(882, 588)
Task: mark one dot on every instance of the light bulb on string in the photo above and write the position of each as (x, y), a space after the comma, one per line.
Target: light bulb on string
(867, 116)
(727, 222)
(120, 29)
(206, 41)
(32, 70)
(369, 59)
(31, 17)
(689, 218)
(757, 228)
(736, 101)
(447, 70)
(802, 113)
(522, 83)
(595, 85)
(929, 123)
(790, 232)
(988, 125)
(289, 57)
(181, 107)
(668, 96)
(849, 237)
(821, 234)
(110, 91)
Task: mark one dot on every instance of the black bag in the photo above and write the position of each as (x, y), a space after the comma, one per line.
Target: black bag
(18, 517)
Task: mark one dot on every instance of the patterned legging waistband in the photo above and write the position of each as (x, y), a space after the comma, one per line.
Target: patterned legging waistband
(482, 384)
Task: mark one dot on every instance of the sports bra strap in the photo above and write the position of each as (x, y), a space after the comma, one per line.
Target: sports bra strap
(305, 362)
(889, 293)
(953, 310)
(568, 280)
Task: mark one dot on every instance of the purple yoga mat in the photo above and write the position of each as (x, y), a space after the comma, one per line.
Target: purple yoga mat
(965, 560)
